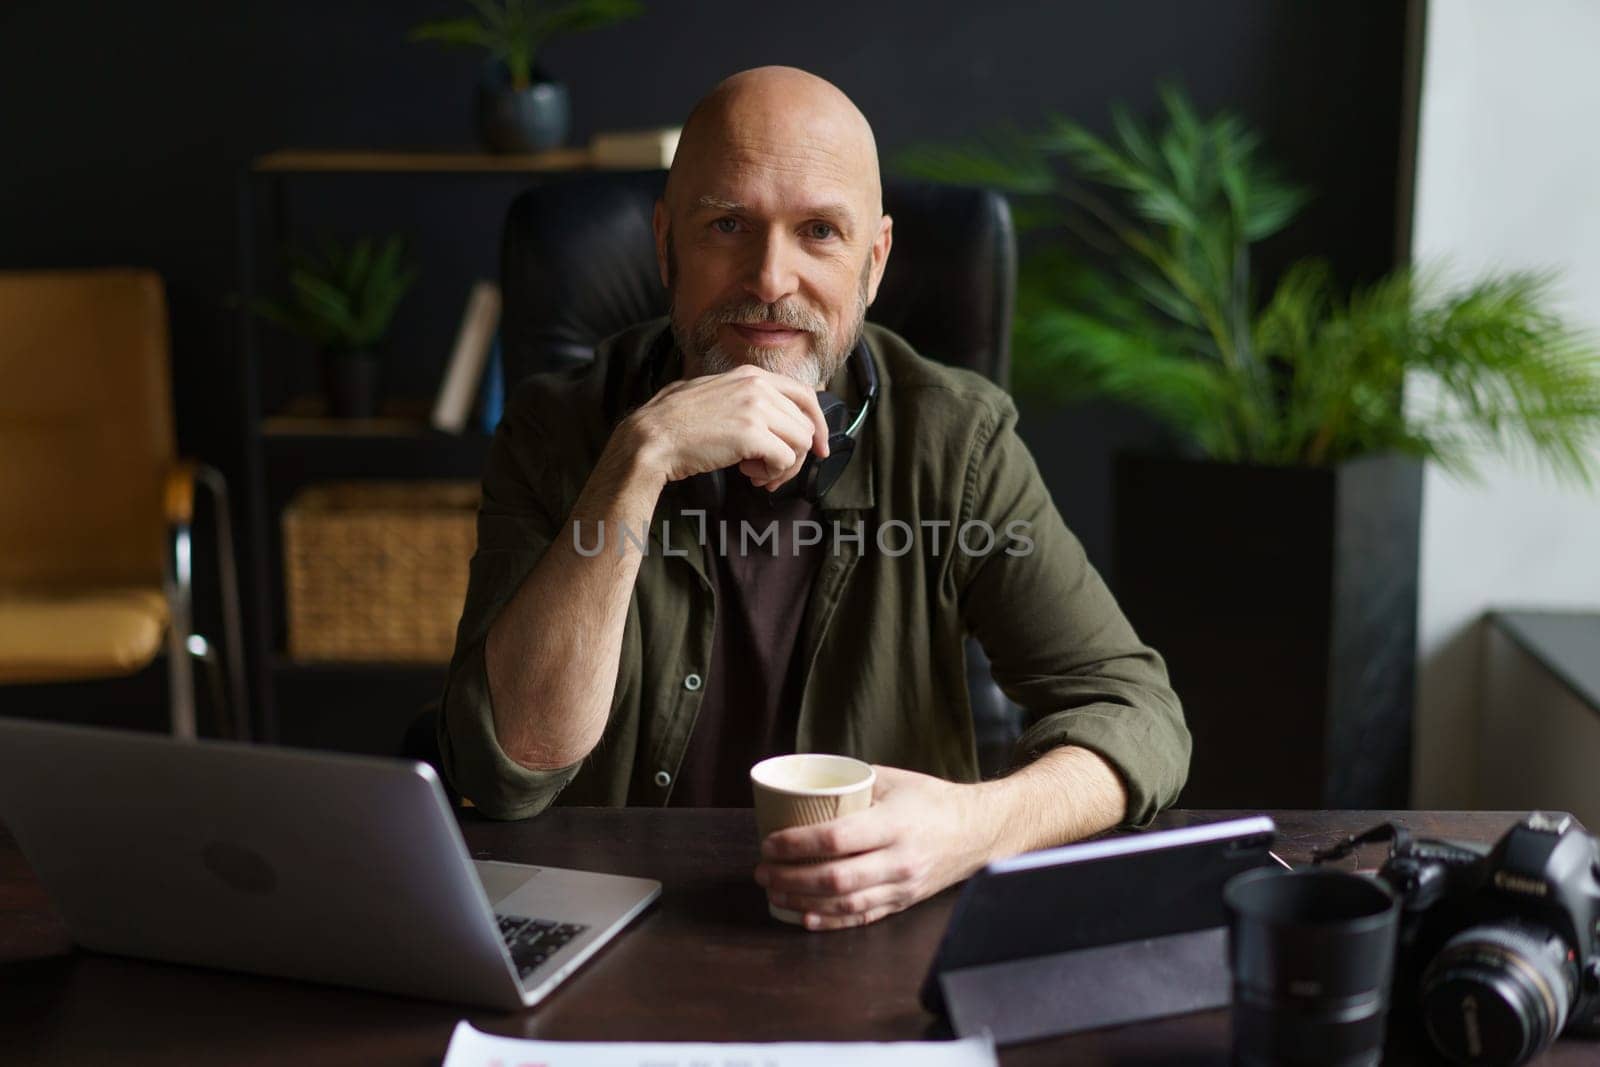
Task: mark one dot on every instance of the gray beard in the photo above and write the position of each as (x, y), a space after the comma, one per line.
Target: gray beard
(808, 372)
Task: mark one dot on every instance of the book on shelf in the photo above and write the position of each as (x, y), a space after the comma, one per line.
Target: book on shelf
(479, 326)
(639, 149)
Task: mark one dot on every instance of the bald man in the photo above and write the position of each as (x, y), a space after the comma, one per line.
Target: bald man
(624, 643)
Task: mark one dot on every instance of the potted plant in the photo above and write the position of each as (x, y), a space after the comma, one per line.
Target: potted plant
(520, 109)
(342, 298)
(1272, 557)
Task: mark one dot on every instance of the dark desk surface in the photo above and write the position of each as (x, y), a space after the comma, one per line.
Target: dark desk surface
(706, 963)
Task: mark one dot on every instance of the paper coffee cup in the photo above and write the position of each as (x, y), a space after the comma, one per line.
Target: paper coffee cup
(805, 789)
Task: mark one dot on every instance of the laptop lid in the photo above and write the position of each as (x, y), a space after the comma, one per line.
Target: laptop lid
(332, 868)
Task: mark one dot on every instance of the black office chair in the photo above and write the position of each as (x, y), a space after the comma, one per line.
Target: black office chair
(577, 264)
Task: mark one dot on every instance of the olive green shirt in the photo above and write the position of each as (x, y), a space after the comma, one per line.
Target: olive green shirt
(908, 570)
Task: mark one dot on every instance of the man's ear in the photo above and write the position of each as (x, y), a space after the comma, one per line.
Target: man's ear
(658, 224)
(880, 256)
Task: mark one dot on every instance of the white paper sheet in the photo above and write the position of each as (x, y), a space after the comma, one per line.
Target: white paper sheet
(473, 1048)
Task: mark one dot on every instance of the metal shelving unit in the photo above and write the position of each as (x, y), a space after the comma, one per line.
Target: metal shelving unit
(294, 446)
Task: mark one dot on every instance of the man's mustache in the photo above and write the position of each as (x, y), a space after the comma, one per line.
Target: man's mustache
(789, 314)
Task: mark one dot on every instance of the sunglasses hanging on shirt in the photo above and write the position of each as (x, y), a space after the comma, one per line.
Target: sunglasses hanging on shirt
(817, 475)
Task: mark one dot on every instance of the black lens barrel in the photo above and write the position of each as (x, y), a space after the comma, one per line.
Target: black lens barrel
(1313, 955)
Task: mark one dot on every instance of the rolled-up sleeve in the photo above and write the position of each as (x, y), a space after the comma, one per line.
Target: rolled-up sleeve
(1056, 640)
(517, 519)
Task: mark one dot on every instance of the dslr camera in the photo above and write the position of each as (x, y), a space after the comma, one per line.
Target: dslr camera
(1499, 950)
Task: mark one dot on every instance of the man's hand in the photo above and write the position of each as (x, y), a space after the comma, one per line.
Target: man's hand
(920, 835)
(924, 833)
(764, 422)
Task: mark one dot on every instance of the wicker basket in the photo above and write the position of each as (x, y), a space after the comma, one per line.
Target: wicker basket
(377, 571)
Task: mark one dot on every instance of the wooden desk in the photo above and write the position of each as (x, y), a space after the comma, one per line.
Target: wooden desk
(706, 963)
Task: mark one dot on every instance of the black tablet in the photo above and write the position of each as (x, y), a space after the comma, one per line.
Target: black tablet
(1118, 905)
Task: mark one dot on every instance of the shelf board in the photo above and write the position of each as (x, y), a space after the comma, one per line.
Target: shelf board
(422, 161)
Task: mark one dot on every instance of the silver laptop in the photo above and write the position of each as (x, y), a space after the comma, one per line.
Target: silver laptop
(331, 868)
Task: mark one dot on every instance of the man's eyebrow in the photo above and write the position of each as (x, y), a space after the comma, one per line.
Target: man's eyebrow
(837, 210)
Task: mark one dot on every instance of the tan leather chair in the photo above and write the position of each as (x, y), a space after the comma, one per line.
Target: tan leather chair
(95, 505)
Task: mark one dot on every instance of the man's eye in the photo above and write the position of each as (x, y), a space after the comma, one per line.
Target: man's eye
(726, 224)
(821, 231)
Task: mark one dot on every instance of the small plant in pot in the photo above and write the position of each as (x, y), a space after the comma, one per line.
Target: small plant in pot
(342, 298)
(520, 108)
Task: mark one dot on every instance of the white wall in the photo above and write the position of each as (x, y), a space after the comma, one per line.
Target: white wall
(1508, 175)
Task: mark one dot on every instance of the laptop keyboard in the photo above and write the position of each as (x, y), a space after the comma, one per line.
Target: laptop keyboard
(533, 941)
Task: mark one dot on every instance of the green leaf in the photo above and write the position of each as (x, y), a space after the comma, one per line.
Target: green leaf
(1137, 146)
(492, 15)
(586, 15)
(342, 296)
(462, 31)
(351, 274)
(284, 315)
(1004, 160)
(513, 31)
(576, 17)
(324, 301)
(382, 290)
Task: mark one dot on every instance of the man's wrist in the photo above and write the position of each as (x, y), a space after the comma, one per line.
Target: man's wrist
(990, 809)
(1068, 793)
(638, 456)
(628, 477)
(1002, 801)
(651, 462)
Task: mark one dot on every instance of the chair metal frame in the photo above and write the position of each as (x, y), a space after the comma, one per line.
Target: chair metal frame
(227, 684)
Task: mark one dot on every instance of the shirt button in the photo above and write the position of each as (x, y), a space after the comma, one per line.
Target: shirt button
(663, 779)
(691, 682)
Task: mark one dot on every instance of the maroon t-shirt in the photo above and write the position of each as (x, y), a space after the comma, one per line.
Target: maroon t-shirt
(750, 706)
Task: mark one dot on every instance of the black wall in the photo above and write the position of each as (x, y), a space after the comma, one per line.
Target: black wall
(124, 128)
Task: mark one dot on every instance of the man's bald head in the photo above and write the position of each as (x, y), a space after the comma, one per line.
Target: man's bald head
(783, 105)
(771, 236)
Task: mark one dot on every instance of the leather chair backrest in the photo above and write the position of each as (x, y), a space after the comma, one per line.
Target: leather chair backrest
(578, 264)
(86, 431)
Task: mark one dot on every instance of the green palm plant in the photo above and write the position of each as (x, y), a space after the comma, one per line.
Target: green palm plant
(1138, 286)
(514, 31)
(342, 298)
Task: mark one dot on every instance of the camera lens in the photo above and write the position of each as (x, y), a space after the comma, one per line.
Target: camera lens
(1312, 952)
(1498, 993)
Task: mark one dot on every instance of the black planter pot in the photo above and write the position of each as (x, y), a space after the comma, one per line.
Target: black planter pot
(1285, 603)
(525, 120)
(351, 382)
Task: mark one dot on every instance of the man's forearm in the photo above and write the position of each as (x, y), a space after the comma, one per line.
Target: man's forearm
(552, 653)
(1066, 794)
